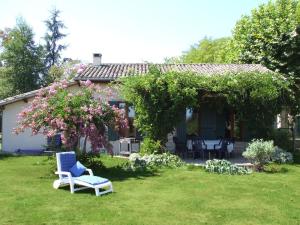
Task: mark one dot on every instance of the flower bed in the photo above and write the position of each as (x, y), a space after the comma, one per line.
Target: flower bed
(152, 161)
(224, 167)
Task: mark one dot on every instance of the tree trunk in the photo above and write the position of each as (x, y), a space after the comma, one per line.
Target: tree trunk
(77, 146)
(84, 145)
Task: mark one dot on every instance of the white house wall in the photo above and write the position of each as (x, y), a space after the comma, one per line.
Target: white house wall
(12, 142)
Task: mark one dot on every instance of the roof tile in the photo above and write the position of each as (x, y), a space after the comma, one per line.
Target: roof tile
(111, 71)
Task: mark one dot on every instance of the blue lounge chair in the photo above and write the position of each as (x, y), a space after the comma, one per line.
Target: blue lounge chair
(66, 162)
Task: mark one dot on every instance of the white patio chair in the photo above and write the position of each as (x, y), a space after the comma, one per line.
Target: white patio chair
(65, 161)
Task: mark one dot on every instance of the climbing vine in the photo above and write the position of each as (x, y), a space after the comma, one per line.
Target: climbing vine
(160, 98)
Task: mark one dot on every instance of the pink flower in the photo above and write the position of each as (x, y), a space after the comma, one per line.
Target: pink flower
(52, 90)
(79, 114)
(88, 83)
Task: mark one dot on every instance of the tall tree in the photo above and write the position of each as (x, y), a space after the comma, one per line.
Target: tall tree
(270, 36)
(6, 87)
(254, 34)
(52, 38)
(207, 51)
(22, 59)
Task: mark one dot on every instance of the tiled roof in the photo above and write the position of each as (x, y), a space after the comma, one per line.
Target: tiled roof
(108, 72)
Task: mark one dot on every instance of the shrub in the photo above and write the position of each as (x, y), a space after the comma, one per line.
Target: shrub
(91, 160)
(275, 168)
(259, 152)
(135, 162)
(224, 167)
(150, 146)
(282, 139)
(296, 156)
(281, 156)
(153, 161)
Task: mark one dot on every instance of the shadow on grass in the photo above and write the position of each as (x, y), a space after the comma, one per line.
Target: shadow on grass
(8, 155)
(115, 173)
(118, 173)
(90, 191)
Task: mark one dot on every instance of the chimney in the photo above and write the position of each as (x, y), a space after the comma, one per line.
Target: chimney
(97, 59)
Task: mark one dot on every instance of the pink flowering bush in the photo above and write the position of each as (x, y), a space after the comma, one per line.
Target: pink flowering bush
(77, 116)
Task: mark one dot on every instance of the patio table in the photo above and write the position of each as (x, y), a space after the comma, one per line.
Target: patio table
(211, 144)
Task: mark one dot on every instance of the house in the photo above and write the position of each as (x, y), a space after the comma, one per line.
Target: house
(205, 122)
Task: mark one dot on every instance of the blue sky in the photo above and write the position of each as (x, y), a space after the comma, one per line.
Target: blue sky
(131, 30)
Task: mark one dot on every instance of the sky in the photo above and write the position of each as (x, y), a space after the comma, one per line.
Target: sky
(130, 31)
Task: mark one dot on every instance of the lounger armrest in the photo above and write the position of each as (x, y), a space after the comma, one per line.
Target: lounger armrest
(63, 173)
(90, 172)
(67, 174)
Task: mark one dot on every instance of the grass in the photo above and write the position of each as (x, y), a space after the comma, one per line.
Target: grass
(172, 196)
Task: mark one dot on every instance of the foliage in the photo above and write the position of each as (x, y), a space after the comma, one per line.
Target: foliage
(282, 138)
(22, 59)
(52, 38)
(253, 34)
(210, 51)
(4, 34)
(91, 160)
(224, 167)
(296, 156)
(153, 161)
(150, 146)
(255, 97)
(270, 36)
(6, 89)
(275, 168)
(55, 73)
(67, 70)
(160, 99)
(284, 57)
(260, 152)
(173, 60)
(75, 115)
(281, 156)
(207, 51)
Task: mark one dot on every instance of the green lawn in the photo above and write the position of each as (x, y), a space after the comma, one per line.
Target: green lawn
(178, 196)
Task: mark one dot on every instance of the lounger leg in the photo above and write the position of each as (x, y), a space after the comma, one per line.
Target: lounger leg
(56, 184)
(71, 186)
(97, 191)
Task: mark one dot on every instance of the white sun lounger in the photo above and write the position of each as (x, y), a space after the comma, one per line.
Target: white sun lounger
(65, 161)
